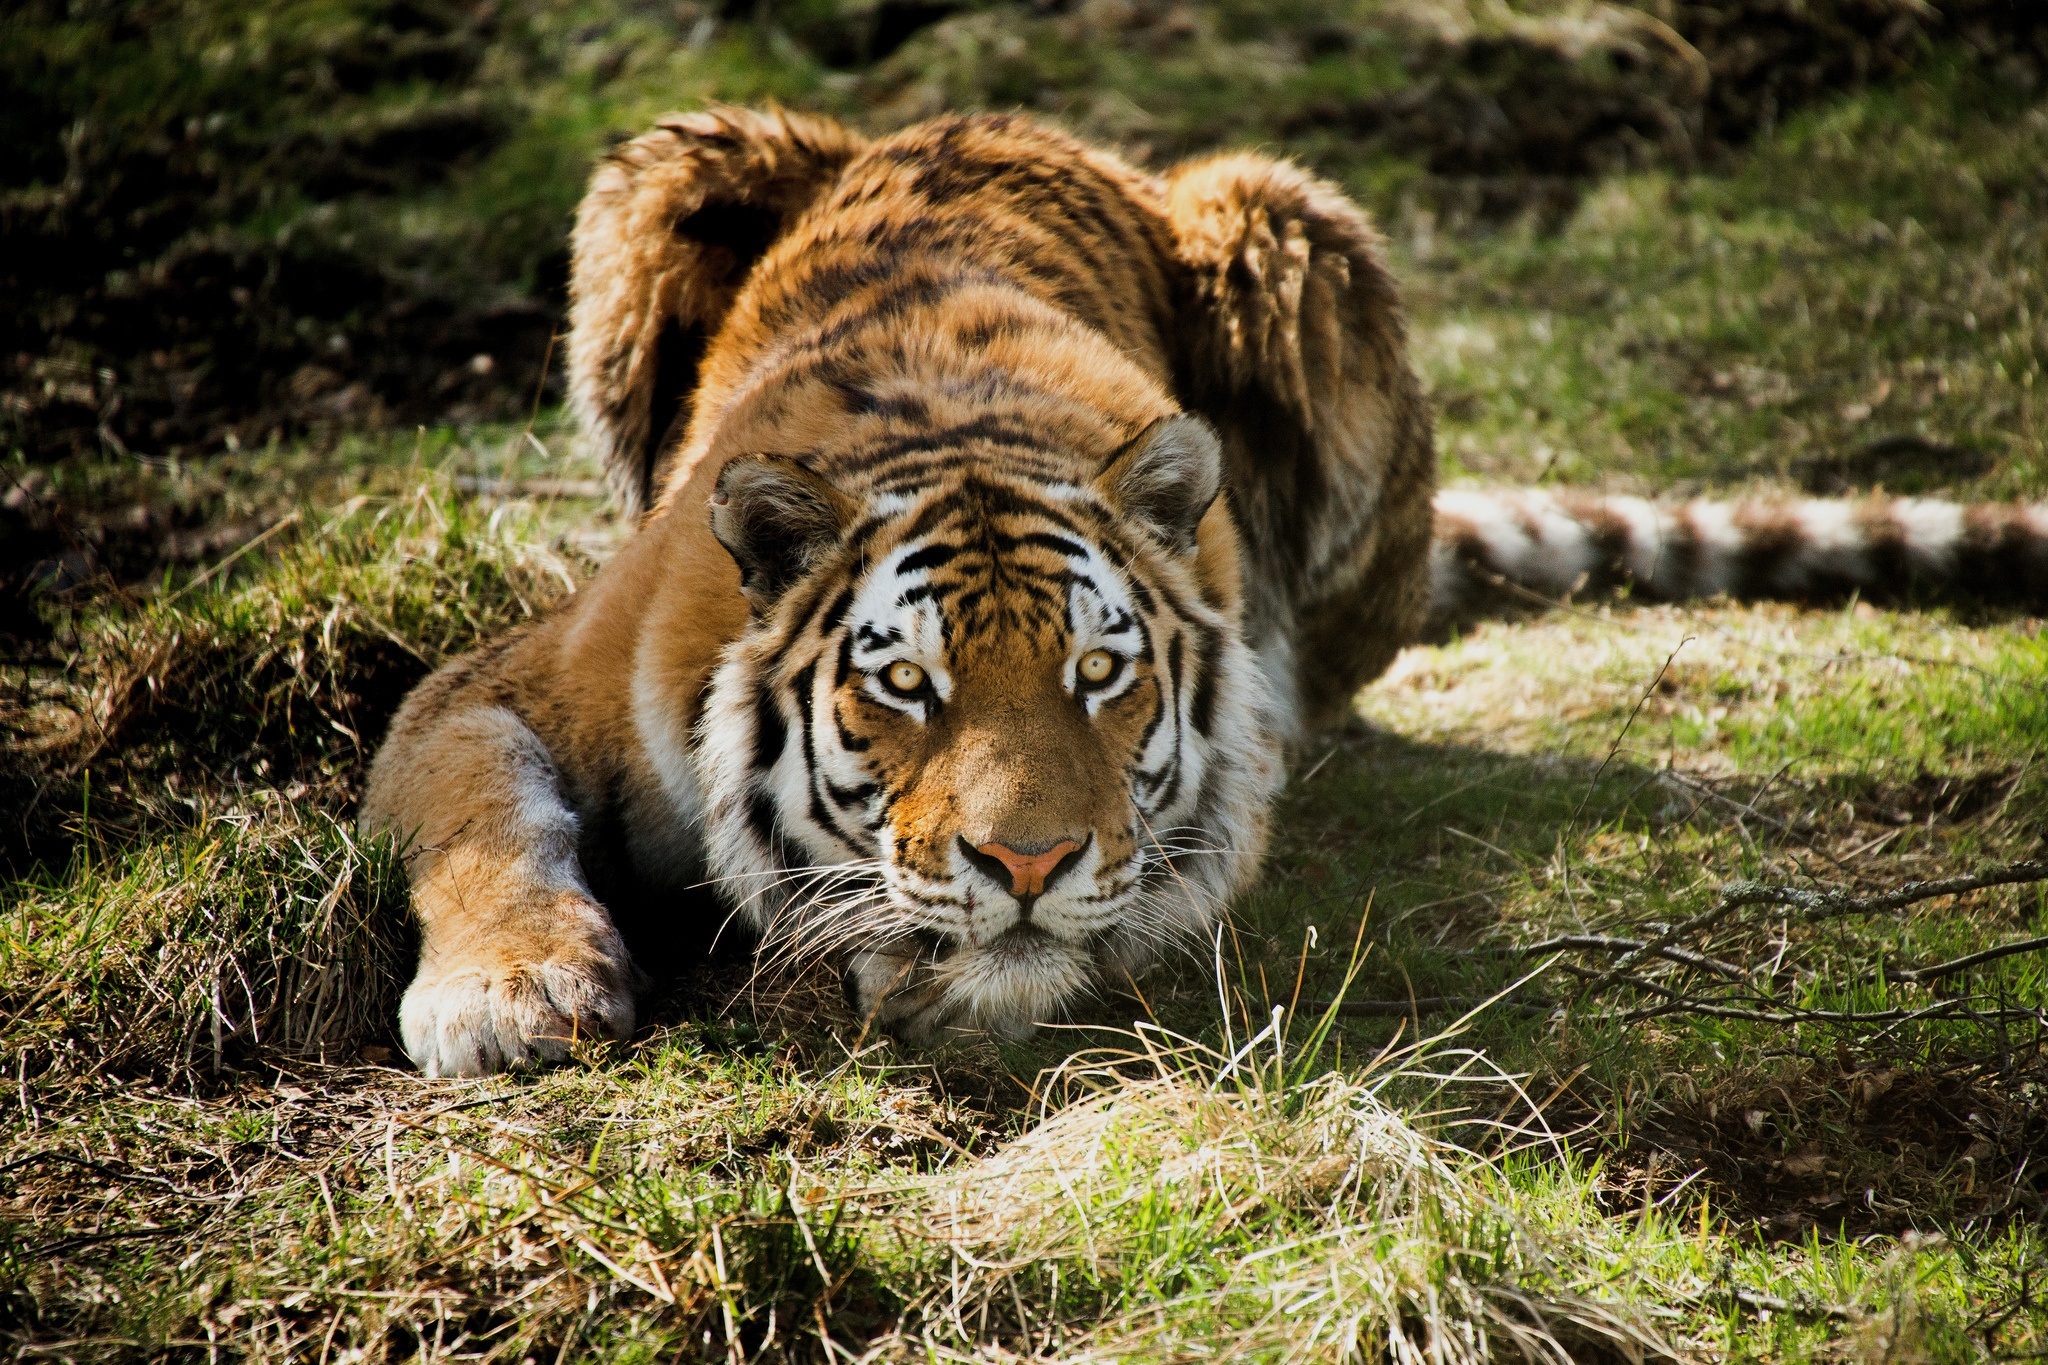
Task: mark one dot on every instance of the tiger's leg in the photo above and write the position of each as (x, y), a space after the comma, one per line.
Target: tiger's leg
(517, 959)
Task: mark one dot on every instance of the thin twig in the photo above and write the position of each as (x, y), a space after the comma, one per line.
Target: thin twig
(1915, 975)
(288, 519)
(1564, 839)
(1424, 1004)
(1824, 904)
(1940, 1010)
(1798, 1308)
(1608, 943)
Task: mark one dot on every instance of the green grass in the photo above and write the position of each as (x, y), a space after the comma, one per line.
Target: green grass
(211, 1145)
(1874, 271)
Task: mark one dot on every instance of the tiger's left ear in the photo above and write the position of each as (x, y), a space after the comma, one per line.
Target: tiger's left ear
(1167, 478)
(777, 520)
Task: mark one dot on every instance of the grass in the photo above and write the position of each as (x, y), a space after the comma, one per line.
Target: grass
(210, 1146)
(1790, 322)
(229, 220)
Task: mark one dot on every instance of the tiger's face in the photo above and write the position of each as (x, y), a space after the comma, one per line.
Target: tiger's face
(986, 742)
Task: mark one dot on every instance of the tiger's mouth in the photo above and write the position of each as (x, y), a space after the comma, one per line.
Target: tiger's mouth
(930, 984)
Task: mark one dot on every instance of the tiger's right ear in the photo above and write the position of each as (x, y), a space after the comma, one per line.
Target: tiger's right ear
(665, 238)
(1168, 477)
(777, 520)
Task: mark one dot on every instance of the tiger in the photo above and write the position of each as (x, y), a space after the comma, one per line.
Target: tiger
(1004, 517)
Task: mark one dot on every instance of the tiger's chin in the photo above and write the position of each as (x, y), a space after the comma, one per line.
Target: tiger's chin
(1008, 986)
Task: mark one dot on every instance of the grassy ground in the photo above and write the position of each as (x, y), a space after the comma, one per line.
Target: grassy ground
(1777, 1137)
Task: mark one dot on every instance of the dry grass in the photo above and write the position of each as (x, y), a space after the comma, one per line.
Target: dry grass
(262, 931)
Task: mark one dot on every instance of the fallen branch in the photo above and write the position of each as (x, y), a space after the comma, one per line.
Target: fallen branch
(1608, 943)
(1792, 1014)
(1802, 1307)
(530, 488)
(1819, 904)
(1915, 975)
(1419, 1005)
(1834, 904)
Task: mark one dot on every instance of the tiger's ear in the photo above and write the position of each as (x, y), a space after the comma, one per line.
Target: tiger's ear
(777, 520)
(666, 237)
(1168, 477)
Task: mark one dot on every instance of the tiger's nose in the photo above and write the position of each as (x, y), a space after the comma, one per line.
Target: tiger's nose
(1030, 872)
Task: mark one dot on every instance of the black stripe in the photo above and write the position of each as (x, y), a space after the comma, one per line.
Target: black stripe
(836, 613)
(761, 820)
(1043, 540)
(930, 557)
(770, 733)
(848, 740)
(1152, 725)
(802, 685)
(1174, 654)
(846, 798)
(990, 428)
(1203, 711)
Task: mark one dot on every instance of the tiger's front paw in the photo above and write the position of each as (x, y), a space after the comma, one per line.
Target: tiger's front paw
(471, 1017)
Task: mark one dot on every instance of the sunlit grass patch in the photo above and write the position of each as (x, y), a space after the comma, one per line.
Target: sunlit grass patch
(1861, 302)
(1744, 689)
(267, 928)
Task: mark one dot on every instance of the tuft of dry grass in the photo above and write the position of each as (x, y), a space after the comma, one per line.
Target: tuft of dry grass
(1247, 1205)
(279, 679)
(267, 929)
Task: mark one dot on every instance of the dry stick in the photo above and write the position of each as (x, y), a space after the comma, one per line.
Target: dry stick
(1832, 904)
(1607, 943)
(1426, 1004)
(288, 519)
(1736, 895)
(531, 488)
(1918, 974)
(1941, 1010)
(1801, 1307)
(1691, 783)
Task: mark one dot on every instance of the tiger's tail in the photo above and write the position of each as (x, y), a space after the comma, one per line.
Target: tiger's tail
(1493, 547)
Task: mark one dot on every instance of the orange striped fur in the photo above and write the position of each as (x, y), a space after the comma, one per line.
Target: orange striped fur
(1006, 514)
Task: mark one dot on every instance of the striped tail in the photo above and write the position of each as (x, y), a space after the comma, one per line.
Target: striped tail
(1493, 548)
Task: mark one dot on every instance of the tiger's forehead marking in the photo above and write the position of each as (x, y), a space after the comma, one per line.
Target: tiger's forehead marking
(974, 578)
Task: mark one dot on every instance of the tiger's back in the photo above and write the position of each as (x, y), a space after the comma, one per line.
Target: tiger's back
(988, 270)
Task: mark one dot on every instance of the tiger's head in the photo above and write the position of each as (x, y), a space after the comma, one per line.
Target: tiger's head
(990, 734)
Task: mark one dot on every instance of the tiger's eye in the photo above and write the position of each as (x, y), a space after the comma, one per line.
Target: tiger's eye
(904, 676)
(1097, 665)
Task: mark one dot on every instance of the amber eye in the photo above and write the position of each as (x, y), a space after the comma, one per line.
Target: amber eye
(903, 677)
(1097, 667)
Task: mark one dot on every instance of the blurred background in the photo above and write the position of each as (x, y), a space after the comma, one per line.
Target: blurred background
(239, 225)
(226, 219)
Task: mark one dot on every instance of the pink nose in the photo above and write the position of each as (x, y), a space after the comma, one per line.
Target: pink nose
(1028, 872)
